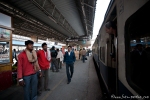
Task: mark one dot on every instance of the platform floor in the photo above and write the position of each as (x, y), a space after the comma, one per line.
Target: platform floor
(84, 85)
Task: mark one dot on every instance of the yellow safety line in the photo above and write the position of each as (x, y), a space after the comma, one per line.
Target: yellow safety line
(45, 97)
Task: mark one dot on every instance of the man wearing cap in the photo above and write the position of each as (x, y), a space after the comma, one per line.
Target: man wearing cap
(27, 71)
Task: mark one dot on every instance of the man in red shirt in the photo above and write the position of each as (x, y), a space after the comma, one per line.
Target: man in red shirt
(26, 70)
(44, 63)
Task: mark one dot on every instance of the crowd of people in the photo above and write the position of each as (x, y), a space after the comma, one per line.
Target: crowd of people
(33, 67)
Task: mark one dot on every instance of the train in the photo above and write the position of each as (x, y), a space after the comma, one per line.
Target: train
(126, 77)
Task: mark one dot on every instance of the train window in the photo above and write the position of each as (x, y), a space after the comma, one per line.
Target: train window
(137, 36)
(102, 54)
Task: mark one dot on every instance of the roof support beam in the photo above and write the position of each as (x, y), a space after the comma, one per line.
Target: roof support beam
(21, 16)
(53, 11)
(51, 15)
(44, 3)
(89, 25)
(88, 5)
(88, 20)
(83, 11)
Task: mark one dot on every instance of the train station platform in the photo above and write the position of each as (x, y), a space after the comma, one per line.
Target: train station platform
(84, 85)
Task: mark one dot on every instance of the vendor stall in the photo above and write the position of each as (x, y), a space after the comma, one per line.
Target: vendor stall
(5, 51)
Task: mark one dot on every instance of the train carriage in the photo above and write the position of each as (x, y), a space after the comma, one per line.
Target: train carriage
(127, 76)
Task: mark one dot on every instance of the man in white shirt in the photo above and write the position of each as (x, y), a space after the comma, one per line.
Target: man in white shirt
(60, 58)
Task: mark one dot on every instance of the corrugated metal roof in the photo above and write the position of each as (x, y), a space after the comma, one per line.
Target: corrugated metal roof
(30, 8)
(69, 10)
(79, 14)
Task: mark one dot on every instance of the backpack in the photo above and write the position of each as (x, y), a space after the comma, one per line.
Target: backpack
(53, 53)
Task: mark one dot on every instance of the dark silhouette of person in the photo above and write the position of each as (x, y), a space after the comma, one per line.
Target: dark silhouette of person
(14, 54)
(139, 63)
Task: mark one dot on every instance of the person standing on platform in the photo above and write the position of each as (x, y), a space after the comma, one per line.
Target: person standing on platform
(69, 59)
(27, 71)
(60, 58)
(14, 55)
(44, 62)
(83, 53)
(76, 54)
(54, 60)
(80, 53)
(62, 50)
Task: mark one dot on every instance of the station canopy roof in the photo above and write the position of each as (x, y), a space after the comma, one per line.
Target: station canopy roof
(52, 19)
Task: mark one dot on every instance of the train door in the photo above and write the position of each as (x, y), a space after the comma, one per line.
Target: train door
(112, 62)
(112, 58)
